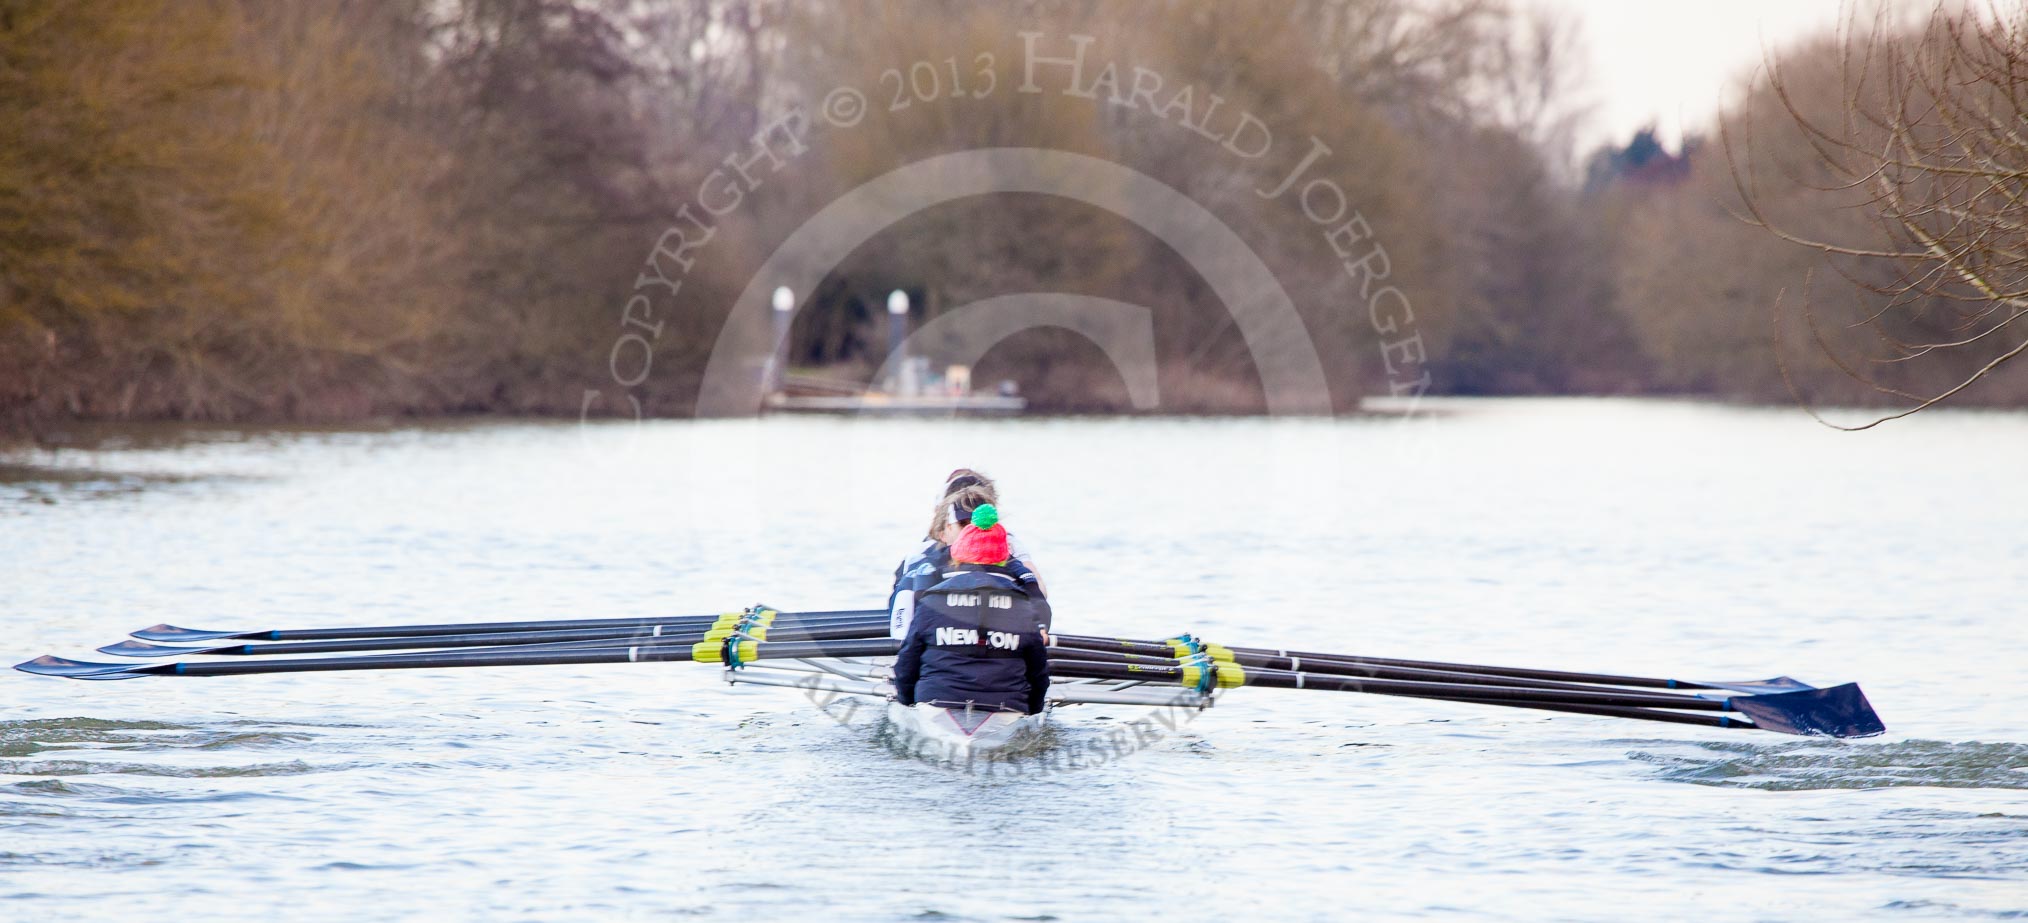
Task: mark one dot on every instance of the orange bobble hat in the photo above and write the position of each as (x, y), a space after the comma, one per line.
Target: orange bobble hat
(984, 540)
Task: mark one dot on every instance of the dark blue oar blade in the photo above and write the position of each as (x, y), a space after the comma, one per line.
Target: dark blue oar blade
(1839, 711)
(173, 633)
(51, 665)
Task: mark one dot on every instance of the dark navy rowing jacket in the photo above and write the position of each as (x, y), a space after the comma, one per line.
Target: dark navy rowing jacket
(976, 638)
(924, 569)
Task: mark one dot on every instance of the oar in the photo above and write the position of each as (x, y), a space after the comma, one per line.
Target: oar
(1839, 711)
(173, 634)
(1288, 679)
(1076, 648)
(1303, 658)
(823, 628)
(708, 652)
(58, 666)
(1781, 704)
(867, 631)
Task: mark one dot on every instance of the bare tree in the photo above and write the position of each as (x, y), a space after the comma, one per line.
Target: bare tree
(1930, 138)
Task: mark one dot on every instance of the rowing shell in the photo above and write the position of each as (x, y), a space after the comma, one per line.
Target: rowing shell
(952, 733)
(961, 731)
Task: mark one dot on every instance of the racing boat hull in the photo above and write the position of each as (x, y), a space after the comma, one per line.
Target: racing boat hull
(961, 731)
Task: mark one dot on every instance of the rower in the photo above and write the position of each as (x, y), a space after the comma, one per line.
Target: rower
(964, 491)
(979, 636)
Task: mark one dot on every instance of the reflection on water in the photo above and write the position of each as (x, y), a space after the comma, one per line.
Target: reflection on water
(1643, 537)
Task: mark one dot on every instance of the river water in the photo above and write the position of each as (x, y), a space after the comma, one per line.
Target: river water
(1662, 538)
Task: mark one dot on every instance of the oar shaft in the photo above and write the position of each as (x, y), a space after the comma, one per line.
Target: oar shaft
(875, 647)
(1604, 679)
(1077, 649)
(1288, 680)
(653, 632)
(1283, 679)
(418, 661)
(460, 628)
(1608, 679)
(1614, 711)
(834, 633)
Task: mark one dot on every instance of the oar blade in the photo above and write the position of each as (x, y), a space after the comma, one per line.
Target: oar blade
(1838, 711)
(52, 665)
(171, 633)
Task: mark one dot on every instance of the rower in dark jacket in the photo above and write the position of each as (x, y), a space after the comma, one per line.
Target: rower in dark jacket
(966, 491)
(979, 635)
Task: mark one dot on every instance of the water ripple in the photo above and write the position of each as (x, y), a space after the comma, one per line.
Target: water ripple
(1826, 765)
(100, 767)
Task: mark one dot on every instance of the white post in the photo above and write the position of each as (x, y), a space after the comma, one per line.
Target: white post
(784, 303)
(897, 336)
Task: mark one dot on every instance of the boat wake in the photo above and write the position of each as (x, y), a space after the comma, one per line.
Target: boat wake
(98, 746)
(1816, 765)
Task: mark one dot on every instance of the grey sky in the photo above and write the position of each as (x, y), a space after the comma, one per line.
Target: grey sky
(1674, 64)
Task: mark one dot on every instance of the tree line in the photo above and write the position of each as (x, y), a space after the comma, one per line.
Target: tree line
(227, 209)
